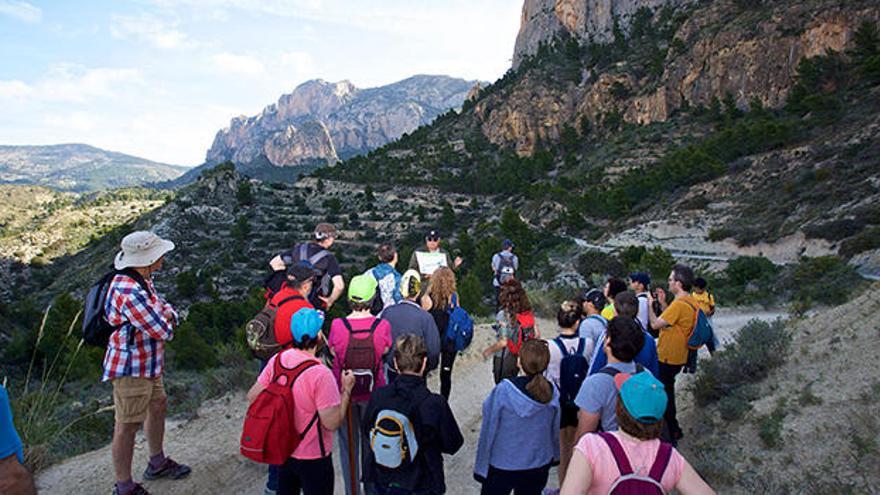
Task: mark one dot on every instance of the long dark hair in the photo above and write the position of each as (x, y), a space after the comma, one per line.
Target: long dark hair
(513, 297)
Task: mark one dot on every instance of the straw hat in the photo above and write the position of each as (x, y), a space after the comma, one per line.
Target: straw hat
(140, 249)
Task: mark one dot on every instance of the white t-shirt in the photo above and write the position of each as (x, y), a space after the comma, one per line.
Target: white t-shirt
(571, 344)
(643, 309)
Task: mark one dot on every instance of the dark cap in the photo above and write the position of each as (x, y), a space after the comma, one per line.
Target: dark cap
(301, 271)
(594, 296)
(641, 277)
(433, 235)
(506, 244)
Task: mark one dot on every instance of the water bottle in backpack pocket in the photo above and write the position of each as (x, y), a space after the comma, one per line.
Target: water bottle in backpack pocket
(360, 358)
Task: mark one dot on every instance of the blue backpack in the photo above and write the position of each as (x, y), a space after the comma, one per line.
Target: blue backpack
(460, 330)
(573, 370)
(703, 334)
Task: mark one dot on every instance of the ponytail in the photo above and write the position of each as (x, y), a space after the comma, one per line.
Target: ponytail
(534, 357)
(540, 389)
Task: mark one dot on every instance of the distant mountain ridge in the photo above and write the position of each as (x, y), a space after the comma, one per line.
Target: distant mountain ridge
(79, 168)
(320, 123)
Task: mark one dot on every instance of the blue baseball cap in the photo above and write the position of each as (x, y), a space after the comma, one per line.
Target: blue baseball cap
(643, 396)
(507, 243)
(306, 322)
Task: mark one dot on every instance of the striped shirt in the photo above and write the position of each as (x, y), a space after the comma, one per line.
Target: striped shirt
(145, 320)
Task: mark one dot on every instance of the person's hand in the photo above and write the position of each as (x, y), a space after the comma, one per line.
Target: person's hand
(487, 352)
(457, 261)
(650, 299)
(347, 381)
(661, 295)
(326, 301)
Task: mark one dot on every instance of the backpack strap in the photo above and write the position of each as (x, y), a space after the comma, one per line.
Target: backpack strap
(561, 346)
(303, 252)
(315, 258)
(600, 318)
(288, 299)
(664, 454)
(619, 454)
(610, 371)
(582, 345)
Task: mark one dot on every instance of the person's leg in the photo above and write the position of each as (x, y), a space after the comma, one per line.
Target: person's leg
(122, 449)
(667, 377)
(316, 475)
(288, 478)
(154, 426)
(131, 401)
(531, 481)
(498, 482)
(447, 359)
(566, 446)
(349, 450)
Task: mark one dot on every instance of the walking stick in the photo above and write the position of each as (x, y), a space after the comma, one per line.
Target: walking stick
(352, 469)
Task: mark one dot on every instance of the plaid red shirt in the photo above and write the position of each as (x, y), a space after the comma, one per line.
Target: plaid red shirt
(145, 318)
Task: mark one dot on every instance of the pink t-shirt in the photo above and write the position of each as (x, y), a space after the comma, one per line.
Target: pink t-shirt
(314, 390)
(338, 342)
(641, 456)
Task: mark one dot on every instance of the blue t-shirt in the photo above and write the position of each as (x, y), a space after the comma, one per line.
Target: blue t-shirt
(10, 443)
(598, 395)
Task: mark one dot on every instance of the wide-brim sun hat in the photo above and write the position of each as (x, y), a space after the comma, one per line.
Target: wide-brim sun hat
(141, 249)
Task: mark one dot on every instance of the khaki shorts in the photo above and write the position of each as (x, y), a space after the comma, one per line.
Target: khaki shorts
(132, 397)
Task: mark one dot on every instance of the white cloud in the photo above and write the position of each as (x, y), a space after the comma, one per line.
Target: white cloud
(20, 10)
(72, 83)
(77, 121)
(239, 65)
(150, 29)
(298, 62)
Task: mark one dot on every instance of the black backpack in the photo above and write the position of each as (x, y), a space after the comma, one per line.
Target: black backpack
(573, 370)
(96, 330)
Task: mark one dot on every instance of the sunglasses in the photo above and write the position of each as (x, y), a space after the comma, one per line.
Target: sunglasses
(432, 239)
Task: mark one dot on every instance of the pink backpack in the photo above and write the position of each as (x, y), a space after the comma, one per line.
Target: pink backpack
(631, 483)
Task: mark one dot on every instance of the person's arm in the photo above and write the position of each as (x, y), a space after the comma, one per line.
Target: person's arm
(336, 293)
(15, 479)
(579, 476)
(255, 390)
(427, 303)
(690, 482)
(277, 264)
(332, 417)
(654, 321)
(149, 317)
(587, 423)
(492, 349)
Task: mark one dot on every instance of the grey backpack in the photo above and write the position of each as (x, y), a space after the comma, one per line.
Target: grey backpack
(393, 440)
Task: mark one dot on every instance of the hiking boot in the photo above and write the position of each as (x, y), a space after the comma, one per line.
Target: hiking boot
(137, 490)
(168, 469)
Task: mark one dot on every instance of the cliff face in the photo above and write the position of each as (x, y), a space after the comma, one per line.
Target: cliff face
(325, 122)
(585, 20)
(716, 50)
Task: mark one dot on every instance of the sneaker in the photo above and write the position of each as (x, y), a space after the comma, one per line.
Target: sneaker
(168, 469)
(137, 490)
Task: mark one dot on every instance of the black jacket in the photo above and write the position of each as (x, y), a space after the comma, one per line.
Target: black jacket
(435, 429)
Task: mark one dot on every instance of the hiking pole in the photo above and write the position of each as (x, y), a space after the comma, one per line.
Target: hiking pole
(352, 469)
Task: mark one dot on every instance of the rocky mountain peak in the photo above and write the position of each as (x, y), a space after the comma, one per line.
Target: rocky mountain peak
(320, 122)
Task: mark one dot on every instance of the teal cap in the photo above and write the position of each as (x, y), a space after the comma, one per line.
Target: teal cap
(306, 322)
(643, 396)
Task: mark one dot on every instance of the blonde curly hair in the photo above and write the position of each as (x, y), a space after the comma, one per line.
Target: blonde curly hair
(442, 287)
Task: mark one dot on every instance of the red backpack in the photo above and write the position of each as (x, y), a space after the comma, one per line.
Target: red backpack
(525, 330)
(268, 435)
(637, 483)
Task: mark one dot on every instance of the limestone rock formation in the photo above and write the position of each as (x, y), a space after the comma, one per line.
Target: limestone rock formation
(752, 59)
(324, 122)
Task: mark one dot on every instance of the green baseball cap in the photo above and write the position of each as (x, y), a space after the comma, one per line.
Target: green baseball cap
(362, 288)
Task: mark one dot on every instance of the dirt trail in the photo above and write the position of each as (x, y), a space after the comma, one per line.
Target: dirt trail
(209, 442)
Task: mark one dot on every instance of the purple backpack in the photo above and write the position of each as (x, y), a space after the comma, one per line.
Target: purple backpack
(631, 483)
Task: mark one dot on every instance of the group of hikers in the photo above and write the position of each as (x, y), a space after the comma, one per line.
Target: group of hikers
(594, 400)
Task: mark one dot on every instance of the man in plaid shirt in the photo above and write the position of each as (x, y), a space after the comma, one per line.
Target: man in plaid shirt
(135, 357)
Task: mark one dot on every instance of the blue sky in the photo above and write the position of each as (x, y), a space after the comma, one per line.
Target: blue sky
(158, 78)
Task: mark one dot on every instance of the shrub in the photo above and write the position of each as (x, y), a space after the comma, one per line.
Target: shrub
(757, 348)
(827, 280)
(471, 294)
(598, 263)
(865, 240)
(770, 426)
